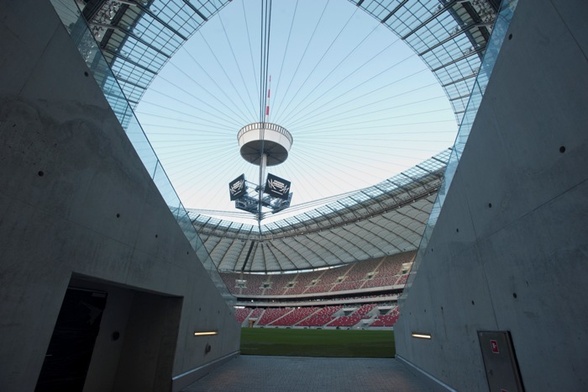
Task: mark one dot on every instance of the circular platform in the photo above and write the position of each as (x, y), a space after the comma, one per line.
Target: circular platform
(262, 137)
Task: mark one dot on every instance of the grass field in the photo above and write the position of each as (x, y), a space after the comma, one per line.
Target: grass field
(317, 342)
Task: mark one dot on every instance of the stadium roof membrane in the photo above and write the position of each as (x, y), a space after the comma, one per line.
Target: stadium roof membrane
(381, 220)
(138, 37)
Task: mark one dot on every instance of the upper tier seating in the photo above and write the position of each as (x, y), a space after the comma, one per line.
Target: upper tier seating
(382, 272)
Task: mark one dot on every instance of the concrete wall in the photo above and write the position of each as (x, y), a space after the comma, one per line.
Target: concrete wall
(78, 208)
(510, 248)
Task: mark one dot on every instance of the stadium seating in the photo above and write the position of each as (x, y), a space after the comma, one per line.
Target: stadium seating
(295, 316)
(321, 317)
(382, 272)
(353, 318)
(362, 286)
(386, 320)
(241, 314)
(279, 284)
(402, 279)
(316, 316)
(230, 280)
(256, 314)
(301, 282)
(272, 314)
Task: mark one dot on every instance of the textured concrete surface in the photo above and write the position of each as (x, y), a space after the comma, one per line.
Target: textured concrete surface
(296, 374)
(78, 208)
(509, 251)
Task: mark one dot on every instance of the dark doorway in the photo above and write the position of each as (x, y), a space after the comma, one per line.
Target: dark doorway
(70, 349)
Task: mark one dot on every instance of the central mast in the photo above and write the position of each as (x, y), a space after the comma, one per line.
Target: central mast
(263, 144)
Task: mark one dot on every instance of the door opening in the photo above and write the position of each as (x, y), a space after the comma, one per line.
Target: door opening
(72, 343)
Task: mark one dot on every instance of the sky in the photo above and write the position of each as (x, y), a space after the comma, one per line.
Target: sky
(360, 105)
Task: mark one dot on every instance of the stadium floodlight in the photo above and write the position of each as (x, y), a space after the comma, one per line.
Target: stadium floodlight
(237, 187)
(280, 204)
(247, 203)
(277, 187)
(420, 335)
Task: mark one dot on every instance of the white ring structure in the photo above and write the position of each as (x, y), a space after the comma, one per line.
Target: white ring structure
(266, 138)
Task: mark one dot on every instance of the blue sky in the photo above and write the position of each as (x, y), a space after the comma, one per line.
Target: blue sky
(360, 105)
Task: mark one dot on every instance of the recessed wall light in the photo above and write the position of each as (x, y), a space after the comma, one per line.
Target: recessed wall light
(205, 333)
(420, 335)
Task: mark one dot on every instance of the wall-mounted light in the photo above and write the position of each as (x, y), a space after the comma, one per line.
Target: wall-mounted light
(205, 333)
(420, 335)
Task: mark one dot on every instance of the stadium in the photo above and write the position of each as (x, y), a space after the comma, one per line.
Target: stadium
(437, 192)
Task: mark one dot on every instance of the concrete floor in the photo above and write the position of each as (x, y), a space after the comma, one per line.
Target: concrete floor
(305, 374)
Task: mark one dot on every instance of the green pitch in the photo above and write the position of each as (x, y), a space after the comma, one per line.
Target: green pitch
(317, 342)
